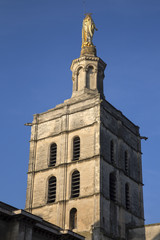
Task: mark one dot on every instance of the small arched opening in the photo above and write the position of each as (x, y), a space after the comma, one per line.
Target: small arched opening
(73, 219)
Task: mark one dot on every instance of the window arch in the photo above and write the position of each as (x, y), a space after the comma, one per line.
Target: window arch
(75, 184)
(79, 77)
(52, 189)
(127, 196)
(73, 219)
(112, 152)
(126, 161)
(112, 186)
(76, 148)
(53, 154)
(90, 78)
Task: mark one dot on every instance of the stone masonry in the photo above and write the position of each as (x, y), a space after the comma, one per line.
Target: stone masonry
(88, 115)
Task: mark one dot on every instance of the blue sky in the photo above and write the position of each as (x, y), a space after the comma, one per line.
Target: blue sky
(38, 41)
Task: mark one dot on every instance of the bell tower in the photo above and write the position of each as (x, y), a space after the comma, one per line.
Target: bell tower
(85, 170)
(88, 70)
(87, 75)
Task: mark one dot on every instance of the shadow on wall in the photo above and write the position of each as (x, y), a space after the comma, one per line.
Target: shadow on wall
(157, 237)
(137, 234)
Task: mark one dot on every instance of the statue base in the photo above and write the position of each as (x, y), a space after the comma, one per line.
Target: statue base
(88, 51)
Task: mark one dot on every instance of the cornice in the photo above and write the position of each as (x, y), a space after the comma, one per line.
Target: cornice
(90, 58)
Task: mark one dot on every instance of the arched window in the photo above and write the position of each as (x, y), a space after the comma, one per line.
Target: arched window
(127, 197)
(112, 152)
(75, 185)
(53, 154)
(79, 79)
(90, 83)
(52, 189)
(112, 186)
(126, 161)
(73, 219)
(76, 148)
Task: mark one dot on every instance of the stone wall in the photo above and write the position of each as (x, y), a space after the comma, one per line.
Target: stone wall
(149, 232)
(115, 217)
(76, 117)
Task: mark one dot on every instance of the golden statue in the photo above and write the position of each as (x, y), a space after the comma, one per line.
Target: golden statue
(88, 28)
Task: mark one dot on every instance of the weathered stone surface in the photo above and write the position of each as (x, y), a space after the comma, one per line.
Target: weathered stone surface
(96, 123)
(87, 115)
(148, 232)
(87, 74)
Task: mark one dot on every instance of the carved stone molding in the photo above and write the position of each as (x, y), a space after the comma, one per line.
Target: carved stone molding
(100, 62)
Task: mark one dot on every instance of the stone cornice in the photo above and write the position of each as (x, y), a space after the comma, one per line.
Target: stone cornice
(90, 58)
(69, 102)
(95, 157)
(122, 170)
(66, 131)
(67, 200)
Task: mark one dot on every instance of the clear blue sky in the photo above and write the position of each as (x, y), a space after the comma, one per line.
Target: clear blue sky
(38, 41)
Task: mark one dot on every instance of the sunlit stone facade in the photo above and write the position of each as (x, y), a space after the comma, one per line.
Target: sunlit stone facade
(110, 196)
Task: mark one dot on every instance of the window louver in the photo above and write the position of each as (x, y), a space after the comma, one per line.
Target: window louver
(52, 190)
(112, 152)
(112, 187)
(53, 154)
(127, 196)
(75, 184)
(76, 148)
(126, 161)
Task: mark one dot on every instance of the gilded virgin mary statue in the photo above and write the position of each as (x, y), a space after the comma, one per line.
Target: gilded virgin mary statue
(88, 28)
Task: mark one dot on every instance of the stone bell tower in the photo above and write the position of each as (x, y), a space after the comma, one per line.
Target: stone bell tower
(88, 70)
(87, 75)
(85, 169)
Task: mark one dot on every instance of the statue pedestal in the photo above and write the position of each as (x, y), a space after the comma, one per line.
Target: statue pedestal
(88, 51)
